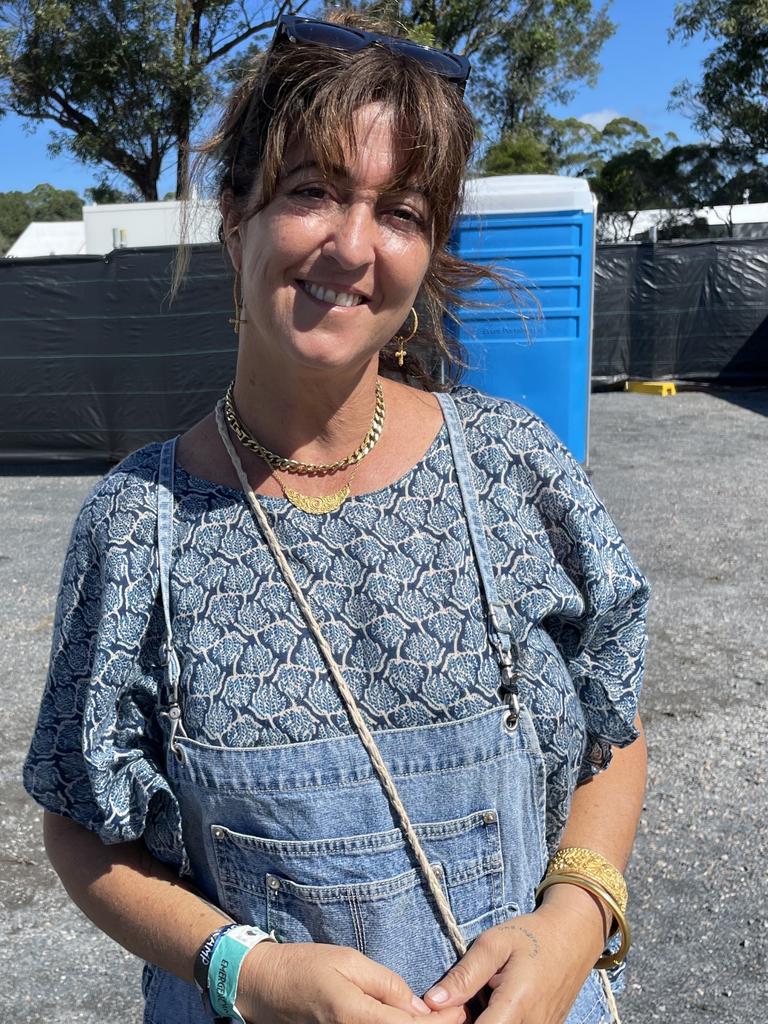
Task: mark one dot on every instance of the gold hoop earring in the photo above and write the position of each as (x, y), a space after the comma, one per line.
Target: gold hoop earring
(237, 319)
(400, 354)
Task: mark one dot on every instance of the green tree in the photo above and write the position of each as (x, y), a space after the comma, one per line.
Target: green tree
(14, 217)
(44, 202)
(534, 53)
(521, 153)
(730, 103)
(525, 54)
(103, 193)
(583, 150)
(569, 146)
(627, 183)
(680, 180)
(703, 174)
(125, 81)
(47, 203)
(747, 184)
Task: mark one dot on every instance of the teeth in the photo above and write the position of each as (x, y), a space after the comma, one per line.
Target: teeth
(333, 298)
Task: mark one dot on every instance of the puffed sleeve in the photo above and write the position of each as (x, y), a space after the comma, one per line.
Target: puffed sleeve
(601, 633)
(96, 753)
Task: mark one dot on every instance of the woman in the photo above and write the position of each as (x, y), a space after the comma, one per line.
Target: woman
(346, 700)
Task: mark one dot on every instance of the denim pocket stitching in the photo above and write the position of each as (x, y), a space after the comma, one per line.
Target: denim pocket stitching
(357, 921)
(367, 892)
(371, 842)
(488, 859)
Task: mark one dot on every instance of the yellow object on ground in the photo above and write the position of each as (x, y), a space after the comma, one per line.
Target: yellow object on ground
(651, 387)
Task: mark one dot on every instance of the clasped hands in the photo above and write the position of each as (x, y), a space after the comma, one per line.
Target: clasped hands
(534, 966)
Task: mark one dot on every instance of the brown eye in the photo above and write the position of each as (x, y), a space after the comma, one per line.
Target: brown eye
(406, 216)
(311, 192)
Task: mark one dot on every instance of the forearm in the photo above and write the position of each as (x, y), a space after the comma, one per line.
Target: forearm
(603, 817)
(137, 900)
(605, 811)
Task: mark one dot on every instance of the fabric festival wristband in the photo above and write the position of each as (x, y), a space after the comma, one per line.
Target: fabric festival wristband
(203, 958)
(224, 969)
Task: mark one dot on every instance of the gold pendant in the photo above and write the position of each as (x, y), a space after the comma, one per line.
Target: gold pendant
(317, 506)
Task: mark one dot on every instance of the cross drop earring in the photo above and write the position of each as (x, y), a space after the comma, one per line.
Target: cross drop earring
(400, 354)
(237, 319)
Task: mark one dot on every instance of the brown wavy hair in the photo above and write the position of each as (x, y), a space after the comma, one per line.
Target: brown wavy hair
(314, 91)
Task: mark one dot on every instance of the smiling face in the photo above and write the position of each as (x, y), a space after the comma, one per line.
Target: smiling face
(331, 266)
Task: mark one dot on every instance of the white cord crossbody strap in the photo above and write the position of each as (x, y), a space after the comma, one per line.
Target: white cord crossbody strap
(354, 713)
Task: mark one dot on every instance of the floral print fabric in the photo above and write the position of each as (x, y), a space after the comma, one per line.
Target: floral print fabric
(392, 580)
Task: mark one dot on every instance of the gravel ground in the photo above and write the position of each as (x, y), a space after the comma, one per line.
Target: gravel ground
(686, 480)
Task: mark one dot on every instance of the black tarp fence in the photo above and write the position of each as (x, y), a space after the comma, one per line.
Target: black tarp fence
(95, 360)
(690, 311)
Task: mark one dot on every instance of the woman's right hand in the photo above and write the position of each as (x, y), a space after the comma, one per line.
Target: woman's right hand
(316, 983)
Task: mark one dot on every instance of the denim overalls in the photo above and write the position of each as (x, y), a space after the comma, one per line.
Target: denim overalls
(301, 839)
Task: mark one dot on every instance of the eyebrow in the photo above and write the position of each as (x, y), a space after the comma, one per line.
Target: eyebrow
(343, 173)
(306, 164)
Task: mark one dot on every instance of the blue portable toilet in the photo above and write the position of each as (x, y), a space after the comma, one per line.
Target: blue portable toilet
(539, 351)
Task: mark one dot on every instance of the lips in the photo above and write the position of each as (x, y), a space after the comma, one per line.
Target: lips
(333, 298)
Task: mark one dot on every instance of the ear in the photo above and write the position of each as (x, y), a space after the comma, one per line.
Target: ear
(231, 224)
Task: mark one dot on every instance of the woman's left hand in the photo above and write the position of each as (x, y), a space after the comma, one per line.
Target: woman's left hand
(535, 964)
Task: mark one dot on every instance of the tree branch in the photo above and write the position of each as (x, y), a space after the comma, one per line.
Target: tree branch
(236, 41)
(73, 119)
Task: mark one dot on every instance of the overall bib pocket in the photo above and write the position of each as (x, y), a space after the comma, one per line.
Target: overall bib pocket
(363, 891)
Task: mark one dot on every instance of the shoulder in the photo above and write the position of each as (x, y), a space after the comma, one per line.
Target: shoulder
(477, 405)
(514, 447)
(121, 505)
(492, 421)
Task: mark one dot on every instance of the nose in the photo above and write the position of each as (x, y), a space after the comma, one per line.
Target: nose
(352, 236)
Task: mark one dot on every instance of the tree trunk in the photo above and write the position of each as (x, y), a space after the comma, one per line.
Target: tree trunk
(143, 175)
(147, 187)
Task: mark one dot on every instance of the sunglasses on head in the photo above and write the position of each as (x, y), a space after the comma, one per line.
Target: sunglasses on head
(291, 28)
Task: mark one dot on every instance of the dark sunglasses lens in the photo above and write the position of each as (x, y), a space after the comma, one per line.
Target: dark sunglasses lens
(442, 63)
(323, 34)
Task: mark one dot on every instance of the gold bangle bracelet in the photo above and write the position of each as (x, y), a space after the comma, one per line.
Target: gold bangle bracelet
(577, 860)
(607, 959)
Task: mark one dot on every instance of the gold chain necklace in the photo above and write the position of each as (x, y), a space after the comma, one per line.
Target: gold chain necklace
(317, 506)
(292, 465)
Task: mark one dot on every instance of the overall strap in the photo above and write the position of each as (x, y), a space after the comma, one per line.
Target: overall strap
(169, 658)
(499, 627)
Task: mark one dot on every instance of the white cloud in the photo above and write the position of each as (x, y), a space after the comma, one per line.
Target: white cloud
(599, 118)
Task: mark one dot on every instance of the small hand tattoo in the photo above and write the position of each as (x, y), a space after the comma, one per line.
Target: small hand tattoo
(534, 950)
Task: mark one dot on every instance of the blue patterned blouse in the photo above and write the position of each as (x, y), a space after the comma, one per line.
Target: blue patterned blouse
(392, 580)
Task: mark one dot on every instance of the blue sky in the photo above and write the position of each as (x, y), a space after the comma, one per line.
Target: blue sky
(640, 67)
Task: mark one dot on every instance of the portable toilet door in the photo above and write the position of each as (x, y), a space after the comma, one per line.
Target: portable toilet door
(537, 351)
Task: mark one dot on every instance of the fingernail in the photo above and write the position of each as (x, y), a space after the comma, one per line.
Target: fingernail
(419, 1005)
(437, 994)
